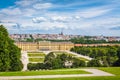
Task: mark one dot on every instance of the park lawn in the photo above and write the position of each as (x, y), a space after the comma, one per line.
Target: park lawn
(80, 58)
(44, 72)
(41, 60)
(113, 70)
(36, 54)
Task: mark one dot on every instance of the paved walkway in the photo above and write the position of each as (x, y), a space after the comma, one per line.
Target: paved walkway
(95, 72)
(24, 59)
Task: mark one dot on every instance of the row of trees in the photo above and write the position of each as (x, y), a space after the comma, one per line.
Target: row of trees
(106, 56)
(10, 54)
(53, 61)
(89, 41)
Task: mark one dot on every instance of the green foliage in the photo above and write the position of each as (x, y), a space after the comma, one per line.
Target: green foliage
(53, 61)
(86, 40)
(94, 63)
(29, 40)
(118, 52)
(117, 63)
(9, 53)
(108, 55)
(50, 57)
(33, 66)
(78, 63)
(39, 39)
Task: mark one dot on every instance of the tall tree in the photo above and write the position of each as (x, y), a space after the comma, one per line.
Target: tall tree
(9, 52)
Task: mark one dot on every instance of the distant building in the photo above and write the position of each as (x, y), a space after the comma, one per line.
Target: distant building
(44, 46)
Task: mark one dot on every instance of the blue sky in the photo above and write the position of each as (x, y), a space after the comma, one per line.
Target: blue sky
(82, 17)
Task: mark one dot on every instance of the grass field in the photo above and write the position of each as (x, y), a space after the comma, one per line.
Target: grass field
(44, 72)
(40, 60)
(60, 52)
(113, 70)
(36, 57)
(36, 54)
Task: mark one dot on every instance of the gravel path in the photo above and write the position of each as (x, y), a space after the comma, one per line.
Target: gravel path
(24, 59)
(95, 72)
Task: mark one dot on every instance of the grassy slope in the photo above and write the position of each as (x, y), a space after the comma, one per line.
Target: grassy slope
(44, 72)
(113, 70)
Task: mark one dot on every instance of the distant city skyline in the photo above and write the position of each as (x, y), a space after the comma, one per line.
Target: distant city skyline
(78, 17)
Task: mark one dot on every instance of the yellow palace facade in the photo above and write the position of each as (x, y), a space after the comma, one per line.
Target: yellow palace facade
(44, 46)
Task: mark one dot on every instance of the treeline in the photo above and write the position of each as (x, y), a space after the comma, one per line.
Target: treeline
(105, 56)
(40, 39)
(88, 41)
(82, 40)
(53, 61)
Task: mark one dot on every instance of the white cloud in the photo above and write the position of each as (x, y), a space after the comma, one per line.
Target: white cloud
(11, 26)
(28, 12)
(25, 3)
(59, 18)
(42, 5)
(94, 12)
(77, 17)
(11, 11)
(39, 19)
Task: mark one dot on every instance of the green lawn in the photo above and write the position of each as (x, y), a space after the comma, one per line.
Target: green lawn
(82, 58)
(41, 60)
(36, 54)
(36, 57)
(113, 70)
(44, 72)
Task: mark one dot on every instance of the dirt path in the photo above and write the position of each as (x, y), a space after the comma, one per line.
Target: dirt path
(95, 72)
